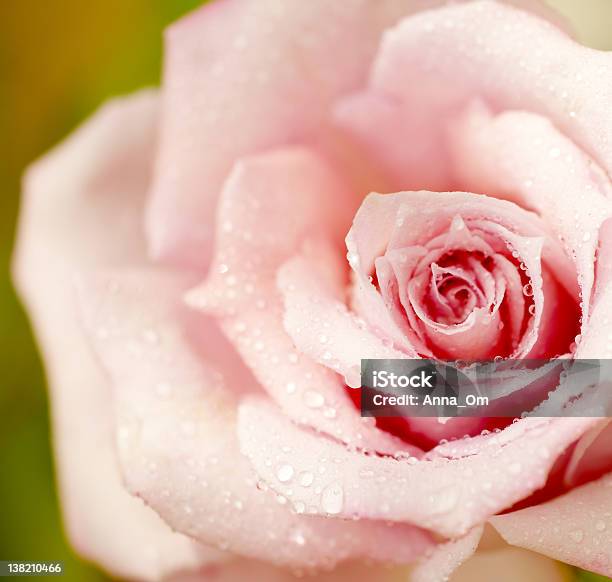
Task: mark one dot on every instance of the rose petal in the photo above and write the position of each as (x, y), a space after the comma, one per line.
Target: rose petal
(465, 491)
(446, 558)
(97, 178)
(492, 51)
(597, 338)
(416, 218)
(178, 447)
(272, 204)
(552, 177)
(282, 56)
(591, 455)
(409, 148)
(391, 269)
(575, 528)
(320, 324)
(257, 571)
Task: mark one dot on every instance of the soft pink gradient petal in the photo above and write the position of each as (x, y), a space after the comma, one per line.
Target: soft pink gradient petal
(243, 570)
(551, 176)
(393, 267)
(409, 148)
(320, 324)
(388, 224)
(95, 179)
(281, 57)
(446, 496)
(597, 338)
(475, 338)
(502, 55)
(575, 528)
(271, 205)
(591, 455)
(176, 433)
(447, 557)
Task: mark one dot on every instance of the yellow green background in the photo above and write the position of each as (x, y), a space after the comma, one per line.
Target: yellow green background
(59, 60)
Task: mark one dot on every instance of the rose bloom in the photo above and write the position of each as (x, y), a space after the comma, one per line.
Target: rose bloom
(316, 183)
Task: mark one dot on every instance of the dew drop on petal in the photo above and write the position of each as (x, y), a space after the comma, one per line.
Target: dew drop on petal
(284, 473)
(306, 478)
(332, 499)
(313, 399)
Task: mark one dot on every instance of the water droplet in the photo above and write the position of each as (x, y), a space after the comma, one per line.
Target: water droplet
(306, 478)
(284, 473)
(299, 507)
(444, 500)
(297, 537)
(528, 290)
(586, 237)
(332, 499)
(329, 413)
(313, 399)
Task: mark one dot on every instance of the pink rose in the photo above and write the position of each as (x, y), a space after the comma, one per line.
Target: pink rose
(183, 260)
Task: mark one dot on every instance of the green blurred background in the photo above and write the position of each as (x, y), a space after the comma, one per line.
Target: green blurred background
(59, 60)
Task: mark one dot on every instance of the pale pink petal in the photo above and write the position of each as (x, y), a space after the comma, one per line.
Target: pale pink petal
(515, 298)
(551, 176)
(591, 455)
(176, 434)
(241, 569)
(425, 214)
(392, 271)
(529, 251)
(82, 209)
(366, 241)
(447, 557)
(410, 149)
(321, 325)
(489, 50)
(603, 267)
(412, 219)
(575, 528)
(446, 496)
(271, 205)
(597, 338)
(279, 56)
